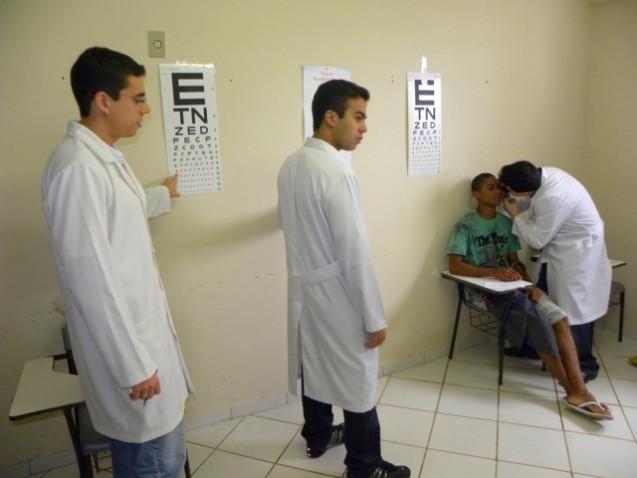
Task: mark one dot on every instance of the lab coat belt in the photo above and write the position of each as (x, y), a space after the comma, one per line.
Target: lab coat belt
(333, 269)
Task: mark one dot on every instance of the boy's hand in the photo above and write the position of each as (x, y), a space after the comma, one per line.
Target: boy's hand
(506, 274)
(534, 294)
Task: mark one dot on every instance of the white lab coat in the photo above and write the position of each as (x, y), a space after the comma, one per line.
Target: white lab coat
(333, 296)
(118, 317)
(564, 223)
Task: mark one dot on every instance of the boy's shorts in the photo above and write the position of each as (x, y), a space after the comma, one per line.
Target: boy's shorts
(550, 310)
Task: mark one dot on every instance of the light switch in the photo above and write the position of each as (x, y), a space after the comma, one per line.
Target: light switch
(157, 44)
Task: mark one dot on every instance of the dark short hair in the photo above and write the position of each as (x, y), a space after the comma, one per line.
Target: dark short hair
(521, 177)
(333, 95)
(479, 180)
(100, 69)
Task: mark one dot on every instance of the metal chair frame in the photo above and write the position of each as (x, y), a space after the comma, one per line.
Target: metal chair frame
(484, 320)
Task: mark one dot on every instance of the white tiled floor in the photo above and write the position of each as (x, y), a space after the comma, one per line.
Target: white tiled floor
(448, 419)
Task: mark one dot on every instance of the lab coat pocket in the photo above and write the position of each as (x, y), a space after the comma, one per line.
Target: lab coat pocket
(329, 306)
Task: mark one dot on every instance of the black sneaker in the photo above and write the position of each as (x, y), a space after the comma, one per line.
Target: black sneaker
(385, 470)
(336, 439)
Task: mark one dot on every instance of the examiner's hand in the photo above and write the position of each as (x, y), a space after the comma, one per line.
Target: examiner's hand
(506, 274)
(147, 389)
(376, 339)
(171, 183)
(511, 206)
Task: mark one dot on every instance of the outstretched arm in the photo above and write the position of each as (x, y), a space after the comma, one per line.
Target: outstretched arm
(457, 265)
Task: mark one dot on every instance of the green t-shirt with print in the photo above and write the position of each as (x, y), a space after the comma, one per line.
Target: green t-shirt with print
(484, 241)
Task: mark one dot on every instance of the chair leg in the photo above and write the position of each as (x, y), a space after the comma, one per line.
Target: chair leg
(187, 467)
(455, 325)
(86, 467)
(500, 354)
(621, 316)
(83, 462)
(501, 335)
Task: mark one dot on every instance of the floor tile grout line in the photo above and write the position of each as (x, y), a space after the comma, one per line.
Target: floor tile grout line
(619, 404)
(320, 473)
(285, 448)
(270, 470)
(543, 467)
(263, 460)
(202, 462)
(224, 437)
(433, 422)
(391, 405)
(571, 468)
(275, 420)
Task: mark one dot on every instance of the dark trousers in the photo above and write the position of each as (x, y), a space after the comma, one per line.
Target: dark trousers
(582, 335)
(362, 435)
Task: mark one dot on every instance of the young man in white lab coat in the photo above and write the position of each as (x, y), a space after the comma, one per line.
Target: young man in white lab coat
(335, 313)
(123, 338)
(554, 213)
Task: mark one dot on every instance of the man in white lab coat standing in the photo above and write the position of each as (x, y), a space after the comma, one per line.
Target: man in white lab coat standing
(123, 338)
(335, 313)
(554, 213)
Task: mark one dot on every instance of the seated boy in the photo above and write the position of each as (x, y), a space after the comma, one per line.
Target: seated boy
(483, 245)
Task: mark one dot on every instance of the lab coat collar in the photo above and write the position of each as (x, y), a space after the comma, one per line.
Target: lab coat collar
(323, 145)
(95, 143)
(108, 154)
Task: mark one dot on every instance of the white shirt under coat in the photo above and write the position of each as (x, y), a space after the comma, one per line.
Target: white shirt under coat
(333, 298)
(115, 304)
(564, 223)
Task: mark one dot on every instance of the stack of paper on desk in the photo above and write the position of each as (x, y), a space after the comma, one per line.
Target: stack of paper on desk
(496, 284)
(489, 282)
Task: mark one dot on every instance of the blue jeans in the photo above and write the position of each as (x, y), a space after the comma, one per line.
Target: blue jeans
(582, 335)
(163, 457)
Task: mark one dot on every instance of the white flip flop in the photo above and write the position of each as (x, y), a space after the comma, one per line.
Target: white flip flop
(581, 408)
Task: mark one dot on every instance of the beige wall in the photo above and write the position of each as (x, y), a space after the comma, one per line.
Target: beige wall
(514, 86)
(610, 146)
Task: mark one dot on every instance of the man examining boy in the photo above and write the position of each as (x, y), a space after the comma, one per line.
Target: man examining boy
(553, 212)
(124, 342)
(336, 320)
(483, 245)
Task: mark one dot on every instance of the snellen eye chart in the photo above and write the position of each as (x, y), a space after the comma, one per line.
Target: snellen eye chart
(190, 126)
(425, 123)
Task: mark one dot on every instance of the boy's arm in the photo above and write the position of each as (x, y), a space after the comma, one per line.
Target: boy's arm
(534, 293)
(457, 265)
(519, 266)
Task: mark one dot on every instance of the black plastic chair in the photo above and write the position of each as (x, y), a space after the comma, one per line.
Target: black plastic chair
(86, 440)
